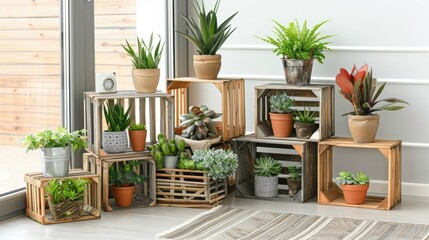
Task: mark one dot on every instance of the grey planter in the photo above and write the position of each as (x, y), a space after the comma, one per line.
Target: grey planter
(170, 161)
(297, 71)
(266, 186)
(56, 161)
(115, 142)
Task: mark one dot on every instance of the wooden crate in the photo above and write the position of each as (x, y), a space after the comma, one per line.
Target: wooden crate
(145, 193)
(304, 154)
(319, 97)
(144, 109)
(188, 188)
(232, 100)
(331, 193)
(37, 207)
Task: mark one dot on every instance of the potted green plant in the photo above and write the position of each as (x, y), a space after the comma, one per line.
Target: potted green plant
(282, 114)
(299, 46)
(208, 36)
(219, 163)
(354, 186)
(305, 122)
(123, 179)
(137, 132)
(115, 139)
(266, 177)
(360, 89)
(189, 164)
(145, 60)
(55, 148)
(65, 197)
(167, 152)
(198, 123)
(294, 180)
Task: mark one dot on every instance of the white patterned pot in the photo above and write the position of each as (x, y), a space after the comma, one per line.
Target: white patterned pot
(266, 186)
(115, 142)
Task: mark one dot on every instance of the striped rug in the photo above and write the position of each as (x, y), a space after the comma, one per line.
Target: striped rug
(224, 223)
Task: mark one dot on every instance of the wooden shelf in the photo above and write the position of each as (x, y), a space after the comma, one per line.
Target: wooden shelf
(330, 193)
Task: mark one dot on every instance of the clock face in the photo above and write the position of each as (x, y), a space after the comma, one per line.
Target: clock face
(108, 84)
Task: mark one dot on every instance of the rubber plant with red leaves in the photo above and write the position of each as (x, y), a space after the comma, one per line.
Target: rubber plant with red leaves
(360, 89)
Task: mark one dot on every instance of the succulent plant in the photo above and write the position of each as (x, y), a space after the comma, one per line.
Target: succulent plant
(137, 127)
(306, 116)
(348, 178)
(281, 103)
(165, 147)
(219, 163)
(267, 167)
(189, 164)
(199, 123)
(117, 118)
(294, 172)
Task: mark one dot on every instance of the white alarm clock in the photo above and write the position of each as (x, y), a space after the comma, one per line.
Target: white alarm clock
(105, 82)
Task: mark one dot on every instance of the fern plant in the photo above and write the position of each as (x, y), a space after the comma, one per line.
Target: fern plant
(298, 42)
(267, 167)
(146, 56)
(305, 116)
(207, 35)
(117, 118)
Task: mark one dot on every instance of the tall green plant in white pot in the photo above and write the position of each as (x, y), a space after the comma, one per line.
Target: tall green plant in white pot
(145, 61)
(115, 138)
(299, 46)
(55, 149)
(208, 36)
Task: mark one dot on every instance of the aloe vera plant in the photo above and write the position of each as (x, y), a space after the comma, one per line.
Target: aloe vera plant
(306, 116)
(116, 117)
(267, 167)
(205, 32)
(146, 56)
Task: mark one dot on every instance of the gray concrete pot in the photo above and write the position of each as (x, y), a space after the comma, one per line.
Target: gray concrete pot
(170, 161)
(297, 71)
(266, 186)
(56, 161)
(115, 142)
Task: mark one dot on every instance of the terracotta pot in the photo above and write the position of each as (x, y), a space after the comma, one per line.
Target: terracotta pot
(297, 71)
(294, 186)
(354, 194)
(146, 80)
(304, 130)
(363, 128)
(123, 195)
(282, 124)
(138, 140)
(207, 66)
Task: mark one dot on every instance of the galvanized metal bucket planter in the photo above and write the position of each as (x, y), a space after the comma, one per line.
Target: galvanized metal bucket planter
(297, 71)
(266, 186)
(170, 161)
(56, 161)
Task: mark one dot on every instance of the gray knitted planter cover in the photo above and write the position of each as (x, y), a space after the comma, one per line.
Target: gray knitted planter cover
(266, 186)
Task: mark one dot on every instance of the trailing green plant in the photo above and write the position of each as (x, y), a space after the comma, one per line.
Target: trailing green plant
(207, 35)
(306, 116)
(125, 174)
(281, 103)
(189, 164)
(59, 191)
(117, 118)
(294, 172)
(360, 89)
(60, 138)
(146, 56)
(219, 163)
(347, 178)
(137, 127)
(296, 42)
(199, 123)
(164, 147)
(267, 167)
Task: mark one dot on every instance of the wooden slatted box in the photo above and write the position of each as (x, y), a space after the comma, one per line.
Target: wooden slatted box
(145, 192)
(231, 98)
(188, 188)
(37, 206)
(330, 193)
(319, 97)
(145, 107)
(304, 154)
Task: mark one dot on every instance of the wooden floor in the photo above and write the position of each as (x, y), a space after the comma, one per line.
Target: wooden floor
(144, 223)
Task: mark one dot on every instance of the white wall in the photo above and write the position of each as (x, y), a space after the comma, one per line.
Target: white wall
(391, 36)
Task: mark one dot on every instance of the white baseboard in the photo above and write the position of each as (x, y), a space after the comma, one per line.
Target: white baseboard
(409, 189)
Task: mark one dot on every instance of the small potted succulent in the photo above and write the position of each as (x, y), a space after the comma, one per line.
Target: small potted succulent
(360, 89)
(219, 163)
(56, 148)
(305, 122)
(145, 64)
(299, 46)
(266, 177)
(123, 179)
(198, 123)
(294, 180)
(281, 114)
(167, 152)
(137, 132)
(189, 164)
(208, 34)
(115, 139)
(354, 186)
